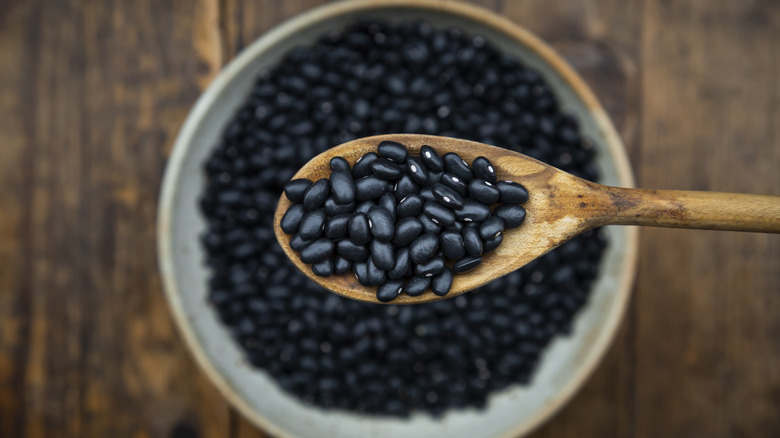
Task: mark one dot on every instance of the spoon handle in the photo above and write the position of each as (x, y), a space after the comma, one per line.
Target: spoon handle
(689, 209)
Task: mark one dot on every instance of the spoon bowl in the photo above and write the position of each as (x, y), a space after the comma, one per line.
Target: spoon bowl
(560, 206)
(539, 233)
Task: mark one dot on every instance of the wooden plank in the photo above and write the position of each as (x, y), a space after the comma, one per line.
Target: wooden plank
(102, 90)
(245, 21)
(709, 326)
(14, 190)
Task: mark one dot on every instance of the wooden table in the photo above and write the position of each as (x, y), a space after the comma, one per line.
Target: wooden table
(93, 92)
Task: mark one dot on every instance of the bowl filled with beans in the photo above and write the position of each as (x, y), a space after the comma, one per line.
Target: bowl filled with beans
(298, 360)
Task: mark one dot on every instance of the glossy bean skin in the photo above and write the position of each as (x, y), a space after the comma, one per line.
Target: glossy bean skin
(291, 220)
(359, 230)
(339, 164)
(342, 187)
(512, 215)
(316, 194)
(441, 283)
(431, 159)
(406, 231)
(393, 151)
(415, 286)
(466, 264)
(512, 192)
(484, 169)
(317, 251)
(295, 189)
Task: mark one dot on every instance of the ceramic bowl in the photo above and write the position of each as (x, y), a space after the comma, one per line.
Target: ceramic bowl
(564, 366)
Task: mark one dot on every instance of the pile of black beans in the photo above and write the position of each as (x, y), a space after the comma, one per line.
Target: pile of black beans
(379, 78)
(395, 220)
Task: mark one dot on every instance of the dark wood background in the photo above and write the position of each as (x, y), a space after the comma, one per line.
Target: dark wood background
(92, 93)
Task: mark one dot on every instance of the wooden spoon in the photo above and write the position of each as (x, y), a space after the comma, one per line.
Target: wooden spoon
(560, 207)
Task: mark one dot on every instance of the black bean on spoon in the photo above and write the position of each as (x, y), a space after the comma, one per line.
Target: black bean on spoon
(486, 212)
(408, 233)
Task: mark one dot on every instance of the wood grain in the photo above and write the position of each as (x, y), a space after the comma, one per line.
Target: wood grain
(92, 93)
(710, 312)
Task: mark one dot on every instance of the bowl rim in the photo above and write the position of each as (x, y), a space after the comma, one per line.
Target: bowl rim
(488, 18)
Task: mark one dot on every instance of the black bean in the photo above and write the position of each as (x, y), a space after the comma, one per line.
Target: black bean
(382, 255)
(415, 286)
(455, 165)
(359, 231)
(388, 202)
(457, 227)
(362, 167)
(291, 220)
(472, 241)
(402, 266)
(297, 243)
(370, 187)
(380, 223)
(323, 268)
(339, 164)
(512, 192)
(423, 248)
(483, 169)
(364, 206)
(455, 183)
(332, 208)
(493, 243)
(295, 189)
(389, 290)
(513, 215)
(452, 245)
(341, 265)
(427, 194)
(491, 228)
(428, 225)
(342, 187)
(354, 253)
(337, 227)
(439, 214)
(404, 187)
(466, 264)
(312, 225)
(417, 171)
(317, 251)
(447, 196)
(393, 151)
(406, 230)
(376, 276)
(432, 267)
(386, 169)
(411, 205)
(483, 191)
(431, 159)
(434, 177)
(472, 211)
(361, 273)
(316, 194)
(442, 283)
